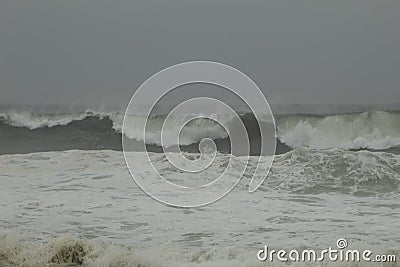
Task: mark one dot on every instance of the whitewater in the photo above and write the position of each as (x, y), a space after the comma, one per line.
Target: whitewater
(82, 207)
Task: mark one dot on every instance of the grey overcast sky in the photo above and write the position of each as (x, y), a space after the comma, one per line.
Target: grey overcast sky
(298, 52)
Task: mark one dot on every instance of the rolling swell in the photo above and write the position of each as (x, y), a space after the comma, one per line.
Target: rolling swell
(23, 132)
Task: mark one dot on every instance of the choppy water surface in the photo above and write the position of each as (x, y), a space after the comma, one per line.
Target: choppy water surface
(311, 198)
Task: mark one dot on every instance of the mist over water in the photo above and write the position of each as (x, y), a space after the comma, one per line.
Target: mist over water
(98, 53)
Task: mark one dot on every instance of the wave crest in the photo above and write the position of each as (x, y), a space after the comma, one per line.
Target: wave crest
(370, 130)
(37, 120)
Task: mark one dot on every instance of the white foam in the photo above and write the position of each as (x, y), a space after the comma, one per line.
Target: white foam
(83, 191)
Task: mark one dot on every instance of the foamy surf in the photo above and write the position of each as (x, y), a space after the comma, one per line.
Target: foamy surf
(16, 250)
(310, 199)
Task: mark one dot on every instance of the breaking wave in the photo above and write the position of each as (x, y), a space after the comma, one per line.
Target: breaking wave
(368, 130)
(371, 130)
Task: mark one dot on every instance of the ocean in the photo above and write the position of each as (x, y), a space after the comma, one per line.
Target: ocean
(67, 197)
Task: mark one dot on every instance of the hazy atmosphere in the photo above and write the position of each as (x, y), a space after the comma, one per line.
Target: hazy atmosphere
(213, 174)
(97, 52)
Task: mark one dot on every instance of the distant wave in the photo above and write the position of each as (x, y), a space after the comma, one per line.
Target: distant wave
(37, 120)
(367, 130)
(196, 130)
